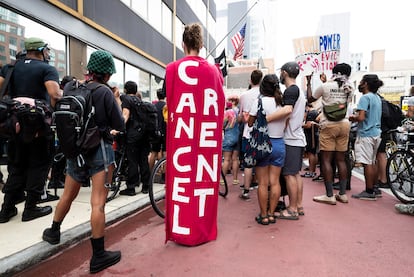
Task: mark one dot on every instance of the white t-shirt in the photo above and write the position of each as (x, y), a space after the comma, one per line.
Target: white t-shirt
(246, 100)
(276, 127)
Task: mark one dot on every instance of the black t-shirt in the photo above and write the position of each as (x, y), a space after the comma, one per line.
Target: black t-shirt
(128, 103)
(29, 77)
(291, 95)
(161, 123)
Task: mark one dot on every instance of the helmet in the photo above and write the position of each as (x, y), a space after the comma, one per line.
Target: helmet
(292, 69)
(101, 62)
(34, 44)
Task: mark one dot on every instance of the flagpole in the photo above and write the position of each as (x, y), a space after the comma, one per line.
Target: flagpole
(235, 25)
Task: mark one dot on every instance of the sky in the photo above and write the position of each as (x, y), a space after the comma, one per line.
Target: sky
(374, 25)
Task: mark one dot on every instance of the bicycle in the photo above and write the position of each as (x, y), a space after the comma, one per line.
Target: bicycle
(400, 171)
(156, 188)
(120, 173)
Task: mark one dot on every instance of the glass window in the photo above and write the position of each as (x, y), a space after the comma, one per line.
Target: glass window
(140, 7)
(144, 85)
(156, 83)
(179, 29)
(131, 73)
(15, 28)
(166, 22)
(117, 79)
(155, 14)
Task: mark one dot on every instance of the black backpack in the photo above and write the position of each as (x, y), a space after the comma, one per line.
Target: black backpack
(145, 121)
(392, 115)
(74, 119)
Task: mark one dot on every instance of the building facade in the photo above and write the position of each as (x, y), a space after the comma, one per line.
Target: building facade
(143, 36)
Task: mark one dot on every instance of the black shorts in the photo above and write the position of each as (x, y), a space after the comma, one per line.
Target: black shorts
(159, 145)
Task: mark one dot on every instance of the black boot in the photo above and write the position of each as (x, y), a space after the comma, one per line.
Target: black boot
(31, 211)
(52, 235)
(101, 258)
(6, 213)
(8, 209)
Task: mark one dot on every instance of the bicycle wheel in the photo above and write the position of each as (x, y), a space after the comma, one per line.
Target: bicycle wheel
(118, 177)
(400, 176)
(156, 188)
(223, 189)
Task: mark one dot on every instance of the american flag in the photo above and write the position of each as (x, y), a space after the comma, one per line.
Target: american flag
(238, 42)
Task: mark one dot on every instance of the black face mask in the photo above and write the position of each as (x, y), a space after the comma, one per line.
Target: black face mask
(361, 88)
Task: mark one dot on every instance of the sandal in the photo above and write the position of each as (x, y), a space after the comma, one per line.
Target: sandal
(271, 219)
(264, 220)
(301, 211)
(235, 182)
(291, 215)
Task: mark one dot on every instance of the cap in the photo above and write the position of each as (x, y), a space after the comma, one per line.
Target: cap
(292, 68)
(410, 101)
(34, 44)
(101, 61)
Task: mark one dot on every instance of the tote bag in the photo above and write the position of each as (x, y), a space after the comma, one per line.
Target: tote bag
(258, 146)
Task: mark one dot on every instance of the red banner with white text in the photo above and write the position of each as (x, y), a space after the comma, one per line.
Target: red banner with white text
(195, 101)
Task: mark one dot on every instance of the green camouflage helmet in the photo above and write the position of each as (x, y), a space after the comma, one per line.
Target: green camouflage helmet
(34, 44)
(101, 62)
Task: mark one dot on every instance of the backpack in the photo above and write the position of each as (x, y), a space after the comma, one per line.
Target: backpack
(392, 115)
(74, 121)
(145, 120)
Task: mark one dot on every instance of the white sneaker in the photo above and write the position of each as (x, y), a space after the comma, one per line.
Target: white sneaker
(325, 199)
(341, 198)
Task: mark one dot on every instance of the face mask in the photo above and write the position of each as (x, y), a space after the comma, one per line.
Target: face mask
(361, 88)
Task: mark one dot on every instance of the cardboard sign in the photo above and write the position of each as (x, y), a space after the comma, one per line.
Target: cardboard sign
(318, 53)
(195, 101)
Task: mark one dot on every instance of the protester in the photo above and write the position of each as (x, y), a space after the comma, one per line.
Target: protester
(311, 130)
(158, 148)
(196, 100)
(334, 133)
(138, 145)
(29, 162)
(368, 116)
(246, 100)
(268, 170)
(294, 104)
(231, 145)
(99, 165)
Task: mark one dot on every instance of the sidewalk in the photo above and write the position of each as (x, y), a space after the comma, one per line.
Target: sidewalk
(362, 238)
(22, 244)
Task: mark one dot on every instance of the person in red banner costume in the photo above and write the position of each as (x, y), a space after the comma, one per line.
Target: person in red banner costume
(196, 100)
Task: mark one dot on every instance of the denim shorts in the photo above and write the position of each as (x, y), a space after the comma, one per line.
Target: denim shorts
(277, 158)
(94, 163)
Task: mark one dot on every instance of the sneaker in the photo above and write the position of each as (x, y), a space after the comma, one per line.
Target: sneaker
(382, 185)
(405, 208)
(318, 179)
(245, 196)
(52, 237)
(377, 192)
(242, 187)
(325, 199)
(6, 214)
(309, 175)
(341, 198)
(365, 196)
(128, 192)
(48, 198)
(254, 185)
